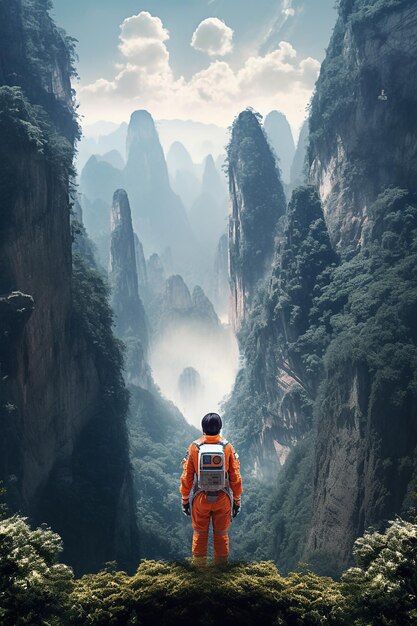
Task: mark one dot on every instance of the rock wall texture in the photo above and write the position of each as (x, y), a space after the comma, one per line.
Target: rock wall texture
(365, 438)
(52, 386)
(359, 141)
(257, 202)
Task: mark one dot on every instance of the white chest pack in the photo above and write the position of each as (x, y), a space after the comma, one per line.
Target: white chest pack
(212, 475)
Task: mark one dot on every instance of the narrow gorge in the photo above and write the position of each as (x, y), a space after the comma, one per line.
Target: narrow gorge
(150, 274)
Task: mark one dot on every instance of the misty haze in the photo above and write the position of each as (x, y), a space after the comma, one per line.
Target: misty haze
(208, 282)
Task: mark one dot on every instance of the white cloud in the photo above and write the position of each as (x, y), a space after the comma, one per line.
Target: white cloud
(142, 40)
(309, 68)
(213, 37)
(279, 79)
(143, 26)
(288, 12)
(217, 83)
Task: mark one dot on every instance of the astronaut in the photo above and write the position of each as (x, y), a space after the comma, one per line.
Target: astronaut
(211, 487)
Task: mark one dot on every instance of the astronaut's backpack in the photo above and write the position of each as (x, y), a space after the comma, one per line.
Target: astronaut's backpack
(212, 475)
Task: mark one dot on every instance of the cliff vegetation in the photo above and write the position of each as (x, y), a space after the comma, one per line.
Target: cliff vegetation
(36, 589)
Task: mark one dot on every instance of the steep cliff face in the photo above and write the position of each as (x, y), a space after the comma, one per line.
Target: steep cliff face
(157, 212)
(203, 308)
(299, 168)
(366, 434)
(156, 273)
(366, 426)
(141, 268)
(183, 174)
(130, 318)
(99, 180)
(280, 137)
(177, 297)
(257, 202)
(221, 290)
(275, 390)
(126, 303)
(189, 385)
(55, 423)
(330, 342)
(368, 140)
(208, 218)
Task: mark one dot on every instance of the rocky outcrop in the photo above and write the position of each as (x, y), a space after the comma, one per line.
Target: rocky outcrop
(221, 277)
(177, 297)
(368, 141)
(99, 179)
(365, 439)
(281, 140)
(156, 273)
(208, 214)
(189, 385)
(276, 377)
(179, 159)
(130, 319)
(203, 308)
(212, 182)
(141, 267)
(299, 166)
(113, 157)
(334, 335)
(183, 175)
(179, 305)
(257, 203)
(55, 459)
(157, 213)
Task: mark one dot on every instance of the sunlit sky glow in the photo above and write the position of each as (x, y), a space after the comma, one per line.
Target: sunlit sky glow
(195, 59)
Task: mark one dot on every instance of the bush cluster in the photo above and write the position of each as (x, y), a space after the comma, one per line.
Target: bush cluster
(36, 590)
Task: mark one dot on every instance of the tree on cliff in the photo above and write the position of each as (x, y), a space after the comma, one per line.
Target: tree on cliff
(258, 202)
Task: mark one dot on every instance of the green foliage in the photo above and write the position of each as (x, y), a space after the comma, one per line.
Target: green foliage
(252, 165)
(25, 126)
(250, 533)
(306, 259)
(35, 590)
(371, 301)
(382, 589)
(45, 43)
(159, 437)
(278, 336)
(322, 321)
(344, 84)
(19, 120)
(34, 587)
(234, 595)
(291, 505)
(336, 95)
(94, 317)
(362, 10)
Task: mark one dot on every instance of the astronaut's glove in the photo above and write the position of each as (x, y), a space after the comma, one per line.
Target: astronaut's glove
(236, 509)
(186, 509)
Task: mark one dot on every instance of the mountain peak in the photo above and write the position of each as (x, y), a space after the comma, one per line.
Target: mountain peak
(280, 137)
(141, 129)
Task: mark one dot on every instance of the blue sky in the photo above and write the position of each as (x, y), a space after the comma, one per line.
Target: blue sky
(236, 59)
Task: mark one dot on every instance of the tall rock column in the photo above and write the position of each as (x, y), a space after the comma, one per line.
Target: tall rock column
(157, 213)
(280, 137)
(126, 303)
(257, 202)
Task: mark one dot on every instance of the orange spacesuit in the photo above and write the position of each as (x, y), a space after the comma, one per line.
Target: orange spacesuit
(206, 504)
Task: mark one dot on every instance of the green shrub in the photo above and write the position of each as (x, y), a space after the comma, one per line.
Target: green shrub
(382, 589)
(34, 586)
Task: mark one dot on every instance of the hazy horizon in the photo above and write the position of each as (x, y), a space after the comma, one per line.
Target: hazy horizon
(205, 66)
